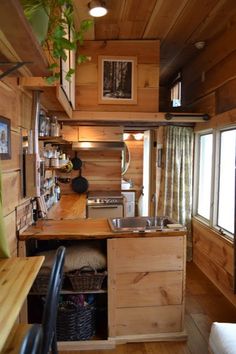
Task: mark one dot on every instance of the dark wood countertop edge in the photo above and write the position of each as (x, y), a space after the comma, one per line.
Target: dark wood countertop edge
(73, 236)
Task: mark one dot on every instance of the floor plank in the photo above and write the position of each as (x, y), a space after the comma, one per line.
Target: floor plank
(204, 304)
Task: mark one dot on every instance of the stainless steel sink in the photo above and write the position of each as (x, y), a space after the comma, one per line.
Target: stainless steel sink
(139, 224)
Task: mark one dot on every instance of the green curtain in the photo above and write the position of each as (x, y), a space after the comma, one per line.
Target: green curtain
(4, 250)
(176, 183)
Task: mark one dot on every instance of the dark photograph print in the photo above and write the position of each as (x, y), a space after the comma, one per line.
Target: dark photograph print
(117, 77)
(5, 147)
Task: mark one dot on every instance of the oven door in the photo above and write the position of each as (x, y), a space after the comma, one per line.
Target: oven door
(104, 211)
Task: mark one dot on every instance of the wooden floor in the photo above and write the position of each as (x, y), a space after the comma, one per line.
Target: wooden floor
(204, 304)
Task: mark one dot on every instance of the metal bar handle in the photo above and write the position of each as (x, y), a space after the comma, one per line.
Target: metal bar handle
(104, 207)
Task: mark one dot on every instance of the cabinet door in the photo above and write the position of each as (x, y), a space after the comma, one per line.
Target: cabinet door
(146, 279)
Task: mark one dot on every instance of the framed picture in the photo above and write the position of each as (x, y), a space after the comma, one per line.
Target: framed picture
(5, 138)
(117, 80)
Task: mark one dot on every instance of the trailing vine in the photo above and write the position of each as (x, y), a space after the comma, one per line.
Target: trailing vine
(61, 34)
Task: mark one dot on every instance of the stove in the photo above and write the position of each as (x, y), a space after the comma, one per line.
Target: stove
(105, 204)
(107, 197)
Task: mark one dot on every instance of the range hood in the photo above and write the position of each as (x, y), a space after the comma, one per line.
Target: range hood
(98, 145)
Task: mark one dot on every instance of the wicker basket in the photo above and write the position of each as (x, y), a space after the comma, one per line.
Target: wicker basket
(41, 282)
(75, 322)
(86, 278)
(85, 322)
(67, 321)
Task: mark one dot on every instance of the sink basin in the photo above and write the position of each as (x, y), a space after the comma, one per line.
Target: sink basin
(139, 224)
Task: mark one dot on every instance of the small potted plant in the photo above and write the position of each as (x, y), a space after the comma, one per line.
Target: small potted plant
(53, 24)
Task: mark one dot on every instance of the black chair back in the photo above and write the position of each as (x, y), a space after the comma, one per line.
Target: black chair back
(32, 342)
(51, 303)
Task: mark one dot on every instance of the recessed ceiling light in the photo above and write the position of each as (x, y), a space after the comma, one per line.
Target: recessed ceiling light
(97, 8)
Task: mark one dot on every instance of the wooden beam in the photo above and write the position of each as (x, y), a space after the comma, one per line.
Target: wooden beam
(133, 117)
(219, 120)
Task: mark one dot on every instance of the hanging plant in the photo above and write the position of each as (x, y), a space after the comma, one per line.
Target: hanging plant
(61, 34)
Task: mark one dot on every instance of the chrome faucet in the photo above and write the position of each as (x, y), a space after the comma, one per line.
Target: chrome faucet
(148, 223)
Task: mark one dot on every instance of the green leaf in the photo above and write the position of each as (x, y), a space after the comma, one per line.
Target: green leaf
(69, 74)
(85, 25)
(82, 59)
(53, 78)
(58, 32)
(66, 44)
(53, 66)
(63, 55)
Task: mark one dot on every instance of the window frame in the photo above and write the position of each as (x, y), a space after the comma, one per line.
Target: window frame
(176, 82)
(198, 135)
(176, 86)
(215, 179)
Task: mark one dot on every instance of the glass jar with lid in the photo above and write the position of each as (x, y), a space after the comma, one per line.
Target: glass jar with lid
(47, 126)
(55, 127)
(42, 123)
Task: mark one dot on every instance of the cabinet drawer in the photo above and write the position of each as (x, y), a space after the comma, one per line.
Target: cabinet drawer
(147, 254)
(148, 320)
(149, 289)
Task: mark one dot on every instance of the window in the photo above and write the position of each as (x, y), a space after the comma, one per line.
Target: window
(205, 169)
(176, 94)
(214, 196)
(226, 197)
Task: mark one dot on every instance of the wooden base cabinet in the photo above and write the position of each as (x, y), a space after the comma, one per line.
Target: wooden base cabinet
(145, 292)
(146, 284)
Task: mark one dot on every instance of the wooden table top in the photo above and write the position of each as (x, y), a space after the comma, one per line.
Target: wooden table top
(16, 278)
(82, 229)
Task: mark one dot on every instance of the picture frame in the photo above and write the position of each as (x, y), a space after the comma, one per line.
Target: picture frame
(117, 80)
(5, 138)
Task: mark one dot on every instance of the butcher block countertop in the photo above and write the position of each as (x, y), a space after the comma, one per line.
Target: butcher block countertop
(83, 229)
(71, 206)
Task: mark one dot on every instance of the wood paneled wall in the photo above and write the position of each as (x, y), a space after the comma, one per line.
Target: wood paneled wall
(209, 81)
(87, 80)
(208, 86)
(16, 106)
(211, 252)
(214, 256)
(101, 168)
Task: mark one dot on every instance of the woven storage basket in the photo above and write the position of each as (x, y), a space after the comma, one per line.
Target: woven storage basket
(67, 315)
(41, 282)
(86, 278)
(85, 322)
(75, 322)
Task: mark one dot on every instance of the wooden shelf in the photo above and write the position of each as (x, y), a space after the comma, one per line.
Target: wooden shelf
(18, 43)
(54, 139)
(17, 40)
(54, 168)
(52, 97)
(71, 292)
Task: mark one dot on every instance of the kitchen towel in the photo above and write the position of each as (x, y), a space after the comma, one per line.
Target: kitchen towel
(4, 249)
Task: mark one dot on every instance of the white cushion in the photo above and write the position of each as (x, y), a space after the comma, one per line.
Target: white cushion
(222, 338)
(77, 256)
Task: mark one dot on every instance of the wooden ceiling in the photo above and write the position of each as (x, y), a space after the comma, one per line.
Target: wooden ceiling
(177, 23)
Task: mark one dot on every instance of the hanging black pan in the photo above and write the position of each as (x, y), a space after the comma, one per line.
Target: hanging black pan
(79, 184)
(77, 163)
